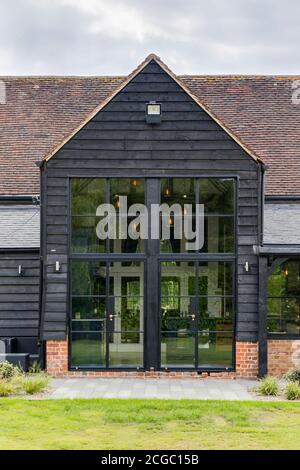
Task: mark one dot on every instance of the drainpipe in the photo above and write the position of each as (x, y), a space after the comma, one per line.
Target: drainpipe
(263, 169)
(262, 286)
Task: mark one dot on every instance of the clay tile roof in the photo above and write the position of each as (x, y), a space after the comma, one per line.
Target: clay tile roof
(39, 112)
(42, 111)
(260, 110)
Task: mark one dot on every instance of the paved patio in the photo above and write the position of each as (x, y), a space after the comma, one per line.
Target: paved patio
(152, 388)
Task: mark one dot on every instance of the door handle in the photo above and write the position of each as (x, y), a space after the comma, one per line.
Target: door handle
(111, 307)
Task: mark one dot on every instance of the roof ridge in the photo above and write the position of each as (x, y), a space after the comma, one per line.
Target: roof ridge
(153, 57)
(237, 76)
(67, 77)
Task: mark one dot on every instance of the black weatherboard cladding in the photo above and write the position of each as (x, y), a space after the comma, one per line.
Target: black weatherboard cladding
(19, 295)
(118, 141)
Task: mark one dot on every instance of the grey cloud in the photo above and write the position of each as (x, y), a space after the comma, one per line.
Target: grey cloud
(191, 36)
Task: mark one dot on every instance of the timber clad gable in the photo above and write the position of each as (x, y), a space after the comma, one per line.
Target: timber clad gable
(118, 139)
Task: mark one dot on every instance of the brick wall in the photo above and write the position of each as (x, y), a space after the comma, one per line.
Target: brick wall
(57, 358)
(282, 356)
(247, 359)
(57, 365)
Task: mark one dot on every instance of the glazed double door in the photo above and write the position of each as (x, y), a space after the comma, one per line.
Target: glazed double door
(160, 314)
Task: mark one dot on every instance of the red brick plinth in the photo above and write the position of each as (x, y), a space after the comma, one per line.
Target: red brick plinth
(246, 365)
(282, 356)
(57, 358)
(247, 359)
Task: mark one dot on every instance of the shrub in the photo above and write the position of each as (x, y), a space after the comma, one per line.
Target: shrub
(268, 386)
(7, 370)
(292, 391)
(6, 388)
(33, 383)
(293, 375)
(35, 368)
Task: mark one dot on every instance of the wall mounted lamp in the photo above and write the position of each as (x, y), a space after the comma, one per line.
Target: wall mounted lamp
(246, 266)
(20, 270)
(57, 266)
(153, 112)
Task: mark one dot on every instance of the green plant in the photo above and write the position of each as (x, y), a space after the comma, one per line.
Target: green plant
(268, 386)
(7, 370)
(293, 375)
(35, 368)
(32, 384)
(6, 388)
(292, 391)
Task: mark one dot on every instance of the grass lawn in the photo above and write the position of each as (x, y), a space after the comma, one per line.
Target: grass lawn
(148, 424)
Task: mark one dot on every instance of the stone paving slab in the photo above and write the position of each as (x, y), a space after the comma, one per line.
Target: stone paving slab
(151, 388)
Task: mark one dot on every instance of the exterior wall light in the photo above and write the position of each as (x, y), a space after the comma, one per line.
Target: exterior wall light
(153, 112)
(20, 270)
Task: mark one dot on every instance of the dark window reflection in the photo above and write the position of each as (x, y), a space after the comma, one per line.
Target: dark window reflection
(86, 195)
(197, 314)
(107, 309)
(134, 190)
(218, 197)
(284, 299)
(176, 191)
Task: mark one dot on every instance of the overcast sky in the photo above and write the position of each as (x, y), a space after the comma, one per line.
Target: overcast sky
(108, 37)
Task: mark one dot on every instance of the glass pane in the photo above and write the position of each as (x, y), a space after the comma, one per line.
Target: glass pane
(177, 349)
(84, 238)
(216, 313)
(285, 281)
(284, 315)
(178, 191)
(88, 308)
(88, 349)
(126, 278)
(215, 278)
(88, 325)
(284, 299)
(214, 349)
(217, 195)
(126, 349)
(177, 278)
(88, 278)
(129, 313)
(87, 194)
(176, 314)
(126, 341)
(218, 234)
(127, 246)
(134, 191)
(171, 244)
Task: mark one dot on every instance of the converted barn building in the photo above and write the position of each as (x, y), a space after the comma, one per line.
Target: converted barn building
(84, 305)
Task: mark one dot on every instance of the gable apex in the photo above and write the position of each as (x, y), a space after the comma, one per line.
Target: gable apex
(151, 57)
